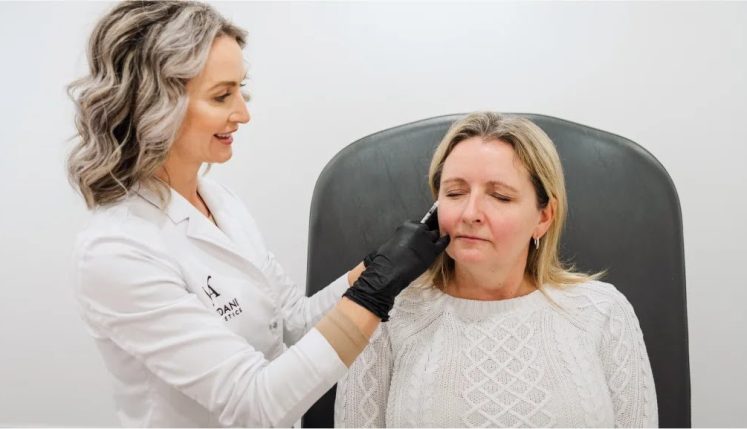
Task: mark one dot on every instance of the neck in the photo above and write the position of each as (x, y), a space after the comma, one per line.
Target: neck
(183, 179)
(486, 284)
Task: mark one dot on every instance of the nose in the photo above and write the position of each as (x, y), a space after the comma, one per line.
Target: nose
(472, 211)
(240, 113)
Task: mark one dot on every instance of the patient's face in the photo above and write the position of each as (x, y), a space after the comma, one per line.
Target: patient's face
(487, 205)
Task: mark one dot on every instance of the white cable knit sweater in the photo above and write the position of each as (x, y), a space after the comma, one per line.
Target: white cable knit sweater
(445, 361)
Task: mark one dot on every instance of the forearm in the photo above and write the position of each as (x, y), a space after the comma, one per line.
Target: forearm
(301, 312)
(348, 328)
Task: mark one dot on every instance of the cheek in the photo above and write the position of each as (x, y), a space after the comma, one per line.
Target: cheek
(512, 226)
(204, 119)
(448, 217)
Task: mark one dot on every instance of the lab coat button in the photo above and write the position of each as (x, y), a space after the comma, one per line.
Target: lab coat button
(273, 325)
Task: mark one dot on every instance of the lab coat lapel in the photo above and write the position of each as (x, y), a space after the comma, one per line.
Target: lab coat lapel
(227, 214)
(198, 226)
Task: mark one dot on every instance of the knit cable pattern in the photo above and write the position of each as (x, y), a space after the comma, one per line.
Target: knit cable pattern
(442, 361)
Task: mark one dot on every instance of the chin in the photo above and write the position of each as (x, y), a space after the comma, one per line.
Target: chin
(467, 256)
(221, 158)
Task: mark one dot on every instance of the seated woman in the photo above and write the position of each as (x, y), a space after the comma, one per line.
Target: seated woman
(499, 332)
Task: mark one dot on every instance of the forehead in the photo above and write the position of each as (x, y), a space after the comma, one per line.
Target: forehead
(225, 62)
(477, 160)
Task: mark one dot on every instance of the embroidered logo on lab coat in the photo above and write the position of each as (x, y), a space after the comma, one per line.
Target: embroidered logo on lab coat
(226, 308)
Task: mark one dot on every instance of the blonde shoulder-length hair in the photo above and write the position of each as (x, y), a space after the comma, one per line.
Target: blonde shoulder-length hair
(131, 104)
(535, 150)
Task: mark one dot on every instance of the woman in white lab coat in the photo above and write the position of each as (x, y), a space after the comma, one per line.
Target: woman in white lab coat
(193, 316)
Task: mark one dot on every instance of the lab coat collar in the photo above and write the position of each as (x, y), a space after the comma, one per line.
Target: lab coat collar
(227, 235)
(223, 208)
(177, 208)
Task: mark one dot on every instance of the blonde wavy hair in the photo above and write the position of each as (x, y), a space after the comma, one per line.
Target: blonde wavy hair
(537, 153)
(130, 106)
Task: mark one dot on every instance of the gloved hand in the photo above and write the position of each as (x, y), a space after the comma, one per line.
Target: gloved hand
(405, 256)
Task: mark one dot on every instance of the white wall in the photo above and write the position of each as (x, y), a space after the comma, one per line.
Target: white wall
(670, 76)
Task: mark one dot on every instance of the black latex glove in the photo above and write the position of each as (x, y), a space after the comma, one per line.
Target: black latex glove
(405, 256)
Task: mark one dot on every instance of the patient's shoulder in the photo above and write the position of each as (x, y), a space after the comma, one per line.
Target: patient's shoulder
(593, 293)
(417, 298)
(415, 307)
(591, 302)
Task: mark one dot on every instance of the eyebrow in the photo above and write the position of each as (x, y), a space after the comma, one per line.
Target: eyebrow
(493, 183)
(224, 83)
(228, 83)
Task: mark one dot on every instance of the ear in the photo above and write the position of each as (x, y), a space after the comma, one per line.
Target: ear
(547, 216)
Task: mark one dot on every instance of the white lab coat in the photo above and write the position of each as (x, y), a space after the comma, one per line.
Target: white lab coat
(192, 320)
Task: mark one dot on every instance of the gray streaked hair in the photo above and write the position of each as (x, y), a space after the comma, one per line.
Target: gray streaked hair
(131, 104)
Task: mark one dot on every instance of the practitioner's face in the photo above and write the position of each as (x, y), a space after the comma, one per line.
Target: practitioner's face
(216, 107)
(488, 206)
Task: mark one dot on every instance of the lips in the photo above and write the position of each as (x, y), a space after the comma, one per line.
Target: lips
(471, 238)
(225, 138)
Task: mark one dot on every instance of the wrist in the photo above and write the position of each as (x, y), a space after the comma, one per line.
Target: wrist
(361, 317)
(355, 273)
(376, 304)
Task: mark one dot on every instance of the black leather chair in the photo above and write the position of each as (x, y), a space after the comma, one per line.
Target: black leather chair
(624, 217)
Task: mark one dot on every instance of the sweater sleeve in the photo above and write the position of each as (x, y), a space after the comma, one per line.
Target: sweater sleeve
(627, 368)
(363, 392)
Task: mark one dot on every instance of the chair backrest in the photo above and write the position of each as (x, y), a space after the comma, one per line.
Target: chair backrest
(624, 217)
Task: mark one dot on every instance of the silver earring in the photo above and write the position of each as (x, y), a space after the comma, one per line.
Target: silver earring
(536, 243)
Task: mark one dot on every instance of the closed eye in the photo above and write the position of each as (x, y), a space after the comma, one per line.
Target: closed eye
(501, 197)
(222, 98)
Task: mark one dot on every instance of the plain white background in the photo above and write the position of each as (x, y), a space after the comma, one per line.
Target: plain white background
(670, 76)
